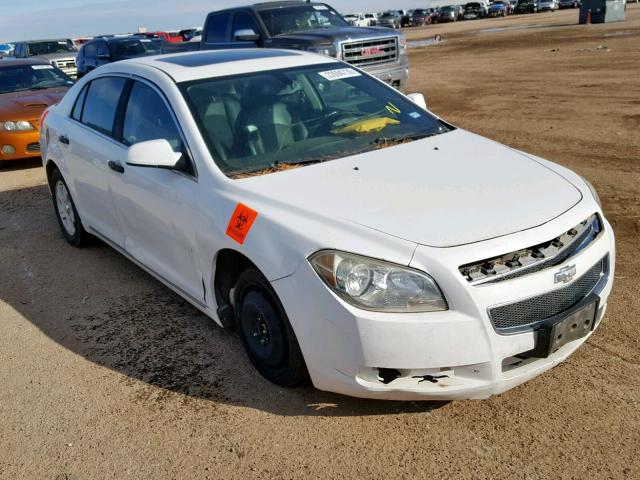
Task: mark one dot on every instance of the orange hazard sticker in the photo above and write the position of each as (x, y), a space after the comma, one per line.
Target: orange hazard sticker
(241, 222)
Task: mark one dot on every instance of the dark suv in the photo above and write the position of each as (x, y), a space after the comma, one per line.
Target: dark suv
(101, 51)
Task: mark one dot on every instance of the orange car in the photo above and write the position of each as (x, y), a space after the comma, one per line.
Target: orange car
(27, 88)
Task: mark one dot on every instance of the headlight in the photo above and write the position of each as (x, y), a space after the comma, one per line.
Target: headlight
(18, 126)
(326, 50)
(596, 197)
(377, 285)
(403, 45)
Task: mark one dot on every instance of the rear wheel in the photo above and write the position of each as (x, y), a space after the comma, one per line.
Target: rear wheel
(266, 332)
(66, 212)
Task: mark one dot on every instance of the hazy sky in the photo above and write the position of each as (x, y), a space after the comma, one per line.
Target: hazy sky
(34, 19)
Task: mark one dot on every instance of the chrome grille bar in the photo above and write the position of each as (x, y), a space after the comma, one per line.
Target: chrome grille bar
(535, 258)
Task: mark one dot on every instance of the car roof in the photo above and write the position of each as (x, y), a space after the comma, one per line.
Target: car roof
(284, 3)
(21, 61)
(189, 66)
(46, 40)
(271, 5)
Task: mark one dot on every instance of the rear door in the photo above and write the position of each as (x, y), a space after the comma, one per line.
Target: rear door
(90, 150)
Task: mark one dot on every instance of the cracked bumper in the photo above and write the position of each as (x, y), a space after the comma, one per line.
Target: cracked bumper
(345, 347)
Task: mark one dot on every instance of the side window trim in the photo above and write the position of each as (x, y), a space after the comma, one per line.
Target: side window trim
(164, 99)
(81, 98)
(121, 110)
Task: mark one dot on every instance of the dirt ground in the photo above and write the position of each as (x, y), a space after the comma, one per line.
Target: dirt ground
(104, 373)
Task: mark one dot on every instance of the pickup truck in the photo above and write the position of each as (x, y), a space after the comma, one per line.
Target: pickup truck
(309, 26)
(60, 53)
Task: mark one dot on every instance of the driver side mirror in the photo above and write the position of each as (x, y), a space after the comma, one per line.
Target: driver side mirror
(418, 99)
(153, 153)
(246, 35)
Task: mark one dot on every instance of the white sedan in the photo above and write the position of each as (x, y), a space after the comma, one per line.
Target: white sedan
(352, 237)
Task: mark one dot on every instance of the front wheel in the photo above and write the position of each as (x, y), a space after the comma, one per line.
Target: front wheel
(68, 218)
(266, 332)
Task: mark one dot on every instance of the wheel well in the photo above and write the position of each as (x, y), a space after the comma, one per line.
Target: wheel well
(229, 264)
(51, 166)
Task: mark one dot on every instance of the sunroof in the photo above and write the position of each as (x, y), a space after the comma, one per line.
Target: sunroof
(223, 56)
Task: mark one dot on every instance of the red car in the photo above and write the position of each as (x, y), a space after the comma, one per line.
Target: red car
(169, 37)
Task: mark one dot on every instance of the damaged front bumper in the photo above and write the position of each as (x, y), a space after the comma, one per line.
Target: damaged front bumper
(450, 355)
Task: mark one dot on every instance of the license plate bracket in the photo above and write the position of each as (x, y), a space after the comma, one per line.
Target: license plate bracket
(565, 328)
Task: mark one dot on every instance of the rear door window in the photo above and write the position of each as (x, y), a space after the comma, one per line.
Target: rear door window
(101, 104)
(76, 114)
(217, 28)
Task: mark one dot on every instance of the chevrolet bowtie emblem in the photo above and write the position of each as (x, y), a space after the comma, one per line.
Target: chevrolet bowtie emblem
(565, 274)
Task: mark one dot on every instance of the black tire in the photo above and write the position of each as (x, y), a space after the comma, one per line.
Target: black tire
(76, 236)
(266, 332)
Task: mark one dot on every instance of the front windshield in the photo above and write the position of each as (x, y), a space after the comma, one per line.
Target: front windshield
(260, 121)
(48, 47)
(136, 48)
(298, 19)
(19, 78)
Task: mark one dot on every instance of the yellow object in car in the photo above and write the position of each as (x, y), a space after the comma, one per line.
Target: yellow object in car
(366, 126)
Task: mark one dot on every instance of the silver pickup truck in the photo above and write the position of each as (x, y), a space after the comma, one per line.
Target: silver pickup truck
(60, 53)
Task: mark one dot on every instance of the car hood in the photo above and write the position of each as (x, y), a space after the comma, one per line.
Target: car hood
(28, 105)
(452, 189)
(329, 35)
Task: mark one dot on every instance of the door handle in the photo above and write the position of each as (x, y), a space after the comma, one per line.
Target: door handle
(64, 139)
(115, 166)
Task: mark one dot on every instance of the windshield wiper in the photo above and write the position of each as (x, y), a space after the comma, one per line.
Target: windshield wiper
(389, 141)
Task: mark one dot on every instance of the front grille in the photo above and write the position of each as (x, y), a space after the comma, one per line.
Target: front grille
(371, 52)
(534, 258)
(33, 148)
(531, 311)
(65, 64)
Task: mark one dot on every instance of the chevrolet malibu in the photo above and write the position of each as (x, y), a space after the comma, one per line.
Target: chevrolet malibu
(349, 235)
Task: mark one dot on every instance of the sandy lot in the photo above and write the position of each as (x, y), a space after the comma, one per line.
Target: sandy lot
(104, 373)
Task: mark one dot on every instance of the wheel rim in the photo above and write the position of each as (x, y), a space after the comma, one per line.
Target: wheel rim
(261, 331)
(65, 208)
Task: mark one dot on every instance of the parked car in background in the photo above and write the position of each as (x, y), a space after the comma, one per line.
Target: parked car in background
(60, 53)
(568, 3)
(391, 19)
(497, 9)
(255, 183)
(405, 18)
(547, 5)
(101, 51)
(188, 34)
(513, 4)
(357, 19)
(448, 13)
(169, 37)
(27, 88)
(527, 6)
(473, 11)
(6, 50)
(421, 17)
(372, 18)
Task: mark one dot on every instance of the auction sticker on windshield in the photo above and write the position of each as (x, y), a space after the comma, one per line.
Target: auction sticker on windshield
(42, 67)
(339, 74)
(241, 222)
